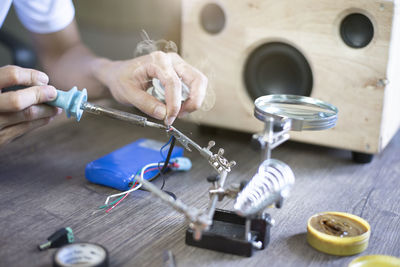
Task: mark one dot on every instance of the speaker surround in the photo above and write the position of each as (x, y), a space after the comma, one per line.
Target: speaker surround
(342, 52)
(277, 68)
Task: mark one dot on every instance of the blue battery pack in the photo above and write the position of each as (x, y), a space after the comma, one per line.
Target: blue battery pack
(118, 168)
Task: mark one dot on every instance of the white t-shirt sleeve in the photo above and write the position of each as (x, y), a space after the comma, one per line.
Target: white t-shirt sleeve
(45, 16)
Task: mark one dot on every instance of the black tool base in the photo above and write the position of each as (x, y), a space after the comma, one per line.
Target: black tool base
(228, 231)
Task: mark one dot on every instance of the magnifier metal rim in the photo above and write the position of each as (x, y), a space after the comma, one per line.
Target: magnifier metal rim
(298, 123)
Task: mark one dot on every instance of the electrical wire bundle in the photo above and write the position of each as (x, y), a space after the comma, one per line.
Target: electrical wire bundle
(160, 166)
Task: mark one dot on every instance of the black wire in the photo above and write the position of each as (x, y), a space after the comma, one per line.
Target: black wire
(163, 169)
(166, 162)
(163, 184)
(162, 176)
(171, 194)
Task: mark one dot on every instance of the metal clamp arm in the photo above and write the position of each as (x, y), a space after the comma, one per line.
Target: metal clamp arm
(217, 161)
(198, 220)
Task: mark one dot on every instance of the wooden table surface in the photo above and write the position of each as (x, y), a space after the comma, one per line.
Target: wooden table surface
(43, 188)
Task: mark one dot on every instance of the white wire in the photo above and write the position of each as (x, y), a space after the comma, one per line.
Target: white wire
(139, 185)
(123, 193)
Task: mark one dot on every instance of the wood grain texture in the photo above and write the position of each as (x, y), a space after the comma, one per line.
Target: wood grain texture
(345, 77)
(37, 198)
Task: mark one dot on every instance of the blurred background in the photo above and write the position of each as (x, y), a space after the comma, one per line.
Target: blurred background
(342, 52)
(112, 28)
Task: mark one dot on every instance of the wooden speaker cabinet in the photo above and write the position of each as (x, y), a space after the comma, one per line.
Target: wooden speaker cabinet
(345, 52)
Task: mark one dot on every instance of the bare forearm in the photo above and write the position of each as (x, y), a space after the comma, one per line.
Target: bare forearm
(68, 62)
(75, 68)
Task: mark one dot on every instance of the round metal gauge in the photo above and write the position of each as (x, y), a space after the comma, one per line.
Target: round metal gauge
(304, 113)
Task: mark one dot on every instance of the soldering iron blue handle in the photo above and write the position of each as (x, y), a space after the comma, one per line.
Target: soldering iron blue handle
(70, 101)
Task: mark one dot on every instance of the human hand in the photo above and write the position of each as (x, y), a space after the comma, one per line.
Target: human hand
(128, 81)
(21, 111)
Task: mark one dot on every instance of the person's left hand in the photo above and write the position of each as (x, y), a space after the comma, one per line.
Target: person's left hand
(128, 81)
(23, 110)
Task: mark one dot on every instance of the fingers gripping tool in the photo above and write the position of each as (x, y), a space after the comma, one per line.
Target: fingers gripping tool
(74, 102)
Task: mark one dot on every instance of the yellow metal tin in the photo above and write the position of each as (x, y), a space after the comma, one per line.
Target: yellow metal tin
(375, 260)
(334, 245)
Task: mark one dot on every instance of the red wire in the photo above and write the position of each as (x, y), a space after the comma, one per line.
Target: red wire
(151, 169)
(120, 199)
(146, 171)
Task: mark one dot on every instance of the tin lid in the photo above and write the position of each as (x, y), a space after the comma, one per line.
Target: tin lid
(375, 260)
(331, 234)
(305, 113)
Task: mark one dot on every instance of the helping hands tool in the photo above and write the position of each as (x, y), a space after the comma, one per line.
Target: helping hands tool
(74, 102)
(280, 113)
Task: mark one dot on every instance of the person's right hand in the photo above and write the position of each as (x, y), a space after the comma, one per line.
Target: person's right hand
(21, 111)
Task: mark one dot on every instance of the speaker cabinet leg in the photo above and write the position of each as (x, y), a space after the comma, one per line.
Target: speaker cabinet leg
(359, 157)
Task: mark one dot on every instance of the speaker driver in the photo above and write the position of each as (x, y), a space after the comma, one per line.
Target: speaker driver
(356, 30)
(277, 68)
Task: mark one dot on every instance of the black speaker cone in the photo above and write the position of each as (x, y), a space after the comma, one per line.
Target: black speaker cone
(356, 30)
(277, 68)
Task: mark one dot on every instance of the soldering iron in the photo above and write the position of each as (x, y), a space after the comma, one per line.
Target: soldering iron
(74, 102)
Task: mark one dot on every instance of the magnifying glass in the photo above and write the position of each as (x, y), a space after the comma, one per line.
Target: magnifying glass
(301, 112)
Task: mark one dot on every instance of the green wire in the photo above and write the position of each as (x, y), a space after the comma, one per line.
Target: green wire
(115, 201)
(110, 204)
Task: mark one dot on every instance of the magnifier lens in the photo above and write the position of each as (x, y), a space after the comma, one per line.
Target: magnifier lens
(306, 113)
